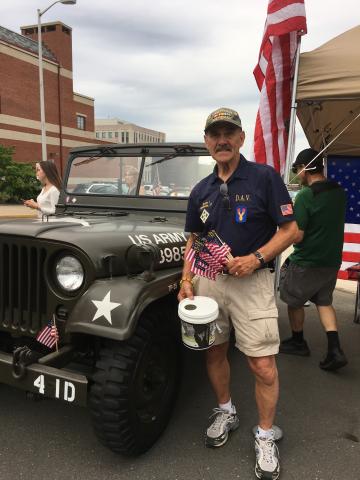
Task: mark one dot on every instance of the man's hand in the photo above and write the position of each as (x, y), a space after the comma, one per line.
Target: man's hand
(242, 266)
(186, 291)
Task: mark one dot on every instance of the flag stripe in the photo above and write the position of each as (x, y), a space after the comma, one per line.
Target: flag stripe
(353, 228)
(352, 247)
(351, 256)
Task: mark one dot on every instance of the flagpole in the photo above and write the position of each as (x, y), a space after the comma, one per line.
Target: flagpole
(56, 341)
(290, 147)
(291, 135)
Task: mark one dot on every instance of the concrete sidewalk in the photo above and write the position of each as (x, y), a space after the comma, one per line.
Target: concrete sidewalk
(20, 211)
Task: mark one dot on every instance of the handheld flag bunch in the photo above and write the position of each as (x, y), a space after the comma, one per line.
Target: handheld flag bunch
(208, 255)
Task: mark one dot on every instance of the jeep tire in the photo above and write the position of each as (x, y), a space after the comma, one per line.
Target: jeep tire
(135, 385)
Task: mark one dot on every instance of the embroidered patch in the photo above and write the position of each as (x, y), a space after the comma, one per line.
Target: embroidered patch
(204, 216)
(241, 213)
(286, 209)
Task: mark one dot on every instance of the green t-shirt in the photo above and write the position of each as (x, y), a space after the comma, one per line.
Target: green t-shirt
(320, 213)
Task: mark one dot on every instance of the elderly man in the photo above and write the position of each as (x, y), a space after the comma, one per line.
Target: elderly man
(247, 204)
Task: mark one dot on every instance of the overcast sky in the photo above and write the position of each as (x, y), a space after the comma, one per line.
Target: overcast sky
(166, 64)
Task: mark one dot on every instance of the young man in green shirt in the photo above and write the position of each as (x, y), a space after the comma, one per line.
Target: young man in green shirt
(313, 266)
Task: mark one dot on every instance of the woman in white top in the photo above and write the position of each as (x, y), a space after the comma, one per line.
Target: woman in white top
(47, 174)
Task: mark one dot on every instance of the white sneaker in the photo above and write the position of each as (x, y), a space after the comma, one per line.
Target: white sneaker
(267, 464)
(218, 432)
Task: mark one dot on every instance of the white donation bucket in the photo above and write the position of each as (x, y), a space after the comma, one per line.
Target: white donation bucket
(198, 322)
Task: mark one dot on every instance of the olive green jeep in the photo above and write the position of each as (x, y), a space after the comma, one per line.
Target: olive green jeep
(103, 271)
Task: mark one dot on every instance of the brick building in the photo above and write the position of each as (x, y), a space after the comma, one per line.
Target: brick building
(69, 115)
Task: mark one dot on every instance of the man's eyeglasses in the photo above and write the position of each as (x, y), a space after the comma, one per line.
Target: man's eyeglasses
(225, 195)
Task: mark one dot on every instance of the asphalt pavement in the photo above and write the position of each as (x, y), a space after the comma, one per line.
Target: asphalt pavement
(319, 412)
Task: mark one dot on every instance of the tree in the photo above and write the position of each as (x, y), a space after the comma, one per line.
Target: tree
(17, 180)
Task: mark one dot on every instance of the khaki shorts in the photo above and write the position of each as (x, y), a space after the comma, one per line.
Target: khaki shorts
(247, 304)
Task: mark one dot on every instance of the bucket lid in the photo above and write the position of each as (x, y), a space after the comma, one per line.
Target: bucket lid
(200, 310)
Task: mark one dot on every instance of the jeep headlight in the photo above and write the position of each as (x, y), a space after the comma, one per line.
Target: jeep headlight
(69, 273)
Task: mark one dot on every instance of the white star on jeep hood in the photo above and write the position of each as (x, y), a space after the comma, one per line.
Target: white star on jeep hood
(104, 307)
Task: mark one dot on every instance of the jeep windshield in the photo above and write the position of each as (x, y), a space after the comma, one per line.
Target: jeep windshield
(167, 170)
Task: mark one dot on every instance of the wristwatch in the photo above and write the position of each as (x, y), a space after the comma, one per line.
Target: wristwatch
(259, 257)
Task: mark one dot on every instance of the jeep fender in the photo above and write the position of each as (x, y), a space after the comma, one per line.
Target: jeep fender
(110, 308)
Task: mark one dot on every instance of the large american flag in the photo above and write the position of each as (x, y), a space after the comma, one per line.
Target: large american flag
(285, 21)
(346, 171)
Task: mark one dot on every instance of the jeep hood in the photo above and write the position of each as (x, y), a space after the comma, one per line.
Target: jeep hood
(102, 236)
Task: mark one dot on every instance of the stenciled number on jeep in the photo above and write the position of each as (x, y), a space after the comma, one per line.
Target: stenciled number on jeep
(172, 254)
(68, 389)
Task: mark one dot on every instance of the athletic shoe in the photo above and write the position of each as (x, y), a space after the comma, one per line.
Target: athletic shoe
(223, 423)
(291, 347)
(278, 433)
(334, 359)
(267, 464)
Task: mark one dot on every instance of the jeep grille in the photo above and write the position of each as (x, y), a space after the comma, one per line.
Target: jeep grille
(23, 291)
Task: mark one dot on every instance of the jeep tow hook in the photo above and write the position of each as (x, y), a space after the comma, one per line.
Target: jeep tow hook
(22, 357)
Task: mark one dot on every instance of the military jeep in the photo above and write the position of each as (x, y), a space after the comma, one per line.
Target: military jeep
(105, 270)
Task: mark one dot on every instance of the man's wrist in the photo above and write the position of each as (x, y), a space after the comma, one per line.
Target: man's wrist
(259, 257)
(186, 279)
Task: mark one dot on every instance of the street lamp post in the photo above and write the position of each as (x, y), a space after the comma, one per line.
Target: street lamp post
(41, 76)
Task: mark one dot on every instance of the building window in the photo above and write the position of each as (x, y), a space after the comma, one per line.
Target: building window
(110, 134)
(80, 122)
(127, 137)
(97, 135)
(116, 134)
(122, 137)
(103, 134)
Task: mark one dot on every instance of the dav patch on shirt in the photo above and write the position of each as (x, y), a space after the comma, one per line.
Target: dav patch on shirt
(286, 209)
(241, 212)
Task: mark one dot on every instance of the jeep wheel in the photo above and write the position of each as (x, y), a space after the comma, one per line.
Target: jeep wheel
(135, 387)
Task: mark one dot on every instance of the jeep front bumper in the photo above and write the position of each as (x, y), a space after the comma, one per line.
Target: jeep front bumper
(51, 382)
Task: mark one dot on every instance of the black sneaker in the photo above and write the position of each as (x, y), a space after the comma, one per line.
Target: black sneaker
(267, 465)
(291, 347)
(223, 423)
(334, 359)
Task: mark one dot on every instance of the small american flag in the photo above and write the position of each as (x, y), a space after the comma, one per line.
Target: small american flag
(49, 335)
(285, 21)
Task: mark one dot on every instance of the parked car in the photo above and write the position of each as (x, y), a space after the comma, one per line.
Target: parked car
(104, 272)
(97, 188)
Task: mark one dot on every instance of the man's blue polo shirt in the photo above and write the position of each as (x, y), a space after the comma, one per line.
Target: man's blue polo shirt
(258, 202)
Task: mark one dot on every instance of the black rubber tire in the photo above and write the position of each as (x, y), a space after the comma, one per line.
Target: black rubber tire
(135, 386)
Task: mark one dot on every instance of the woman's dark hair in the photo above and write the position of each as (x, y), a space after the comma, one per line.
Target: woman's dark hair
(51, 172)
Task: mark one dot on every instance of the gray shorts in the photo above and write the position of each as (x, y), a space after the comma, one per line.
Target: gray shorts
(300, 284)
